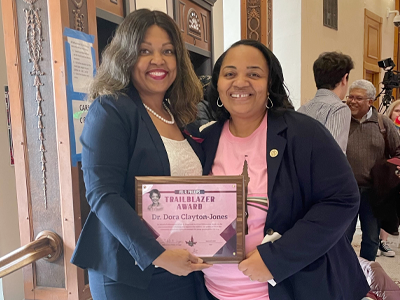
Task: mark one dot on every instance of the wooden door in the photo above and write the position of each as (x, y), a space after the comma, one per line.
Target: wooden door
(373, 77)
(372, 49)
(48, 186)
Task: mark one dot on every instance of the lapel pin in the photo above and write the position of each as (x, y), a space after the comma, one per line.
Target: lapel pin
(273, 153)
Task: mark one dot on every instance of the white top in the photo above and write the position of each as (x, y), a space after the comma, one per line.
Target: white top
(182, 159)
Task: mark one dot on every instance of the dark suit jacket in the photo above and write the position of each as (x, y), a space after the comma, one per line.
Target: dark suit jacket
(313, 198)
(119, 142)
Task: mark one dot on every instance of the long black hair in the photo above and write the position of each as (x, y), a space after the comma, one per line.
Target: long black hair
(277, 90)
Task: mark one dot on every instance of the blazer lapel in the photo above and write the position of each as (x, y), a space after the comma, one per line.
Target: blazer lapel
(155, 136)
(276, 145)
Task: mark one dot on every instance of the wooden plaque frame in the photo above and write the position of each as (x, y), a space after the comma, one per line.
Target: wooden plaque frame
(240, 197)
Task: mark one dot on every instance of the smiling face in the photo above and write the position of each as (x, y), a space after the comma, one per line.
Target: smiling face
(155, 68)
(359, 103)
(154, 197)
(243, 82)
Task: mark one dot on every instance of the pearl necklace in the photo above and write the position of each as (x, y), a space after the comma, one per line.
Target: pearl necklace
(161, 118)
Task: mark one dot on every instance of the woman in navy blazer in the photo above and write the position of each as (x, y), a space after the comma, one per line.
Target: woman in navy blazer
(125, 135)
(312, 191)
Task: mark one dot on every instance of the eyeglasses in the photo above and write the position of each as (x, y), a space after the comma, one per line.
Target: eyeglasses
(351, 98)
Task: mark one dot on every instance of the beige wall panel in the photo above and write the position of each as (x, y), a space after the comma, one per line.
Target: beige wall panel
(218, 22)
(152, 4)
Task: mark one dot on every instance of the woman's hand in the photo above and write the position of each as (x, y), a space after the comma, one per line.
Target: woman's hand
(253, 267)
(180, 262)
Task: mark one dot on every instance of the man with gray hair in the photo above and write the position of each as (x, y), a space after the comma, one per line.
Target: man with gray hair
(331, 74)
(366, 146)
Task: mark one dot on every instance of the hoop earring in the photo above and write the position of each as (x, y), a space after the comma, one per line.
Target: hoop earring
(269, 101)
(219, 100)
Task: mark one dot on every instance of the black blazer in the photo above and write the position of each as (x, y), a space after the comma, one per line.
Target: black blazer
(313, 199)
(120, 142)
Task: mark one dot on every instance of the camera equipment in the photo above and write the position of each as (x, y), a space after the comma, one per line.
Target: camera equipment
(396, 19)
(390, 81)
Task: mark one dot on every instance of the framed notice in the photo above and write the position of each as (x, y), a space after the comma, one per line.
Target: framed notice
(202, 214)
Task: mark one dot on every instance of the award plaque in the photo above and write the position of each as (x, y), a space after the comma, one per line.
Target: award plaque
(202, 214)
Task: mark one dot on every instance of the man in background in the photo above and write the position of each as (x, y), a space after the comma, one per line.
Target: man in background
(331, 74)
(367, 146)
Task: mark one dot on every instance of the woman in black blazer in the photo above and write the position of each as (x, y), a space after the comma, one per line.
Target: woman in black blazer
(311, 191)
(143, 95)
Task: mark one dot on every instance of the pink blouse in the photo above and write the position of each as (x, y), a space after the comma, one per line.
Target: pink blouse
(225, 281)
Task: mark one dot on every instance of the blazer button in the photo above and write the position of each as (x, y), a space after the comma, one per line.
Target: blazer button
(270, 231)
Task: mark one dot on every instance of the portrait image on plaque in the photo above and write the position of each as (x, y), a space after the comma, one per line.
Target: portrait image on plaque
(155, 197)
(203, 214)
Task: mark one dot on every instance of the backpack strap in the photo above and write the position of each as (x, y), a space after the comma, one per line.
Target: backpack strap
(383, 131)
(381, 126)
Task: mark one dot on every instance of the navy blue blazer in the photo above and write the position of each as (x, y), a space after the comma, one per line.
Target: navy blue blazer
(313, 198)
(119, 142)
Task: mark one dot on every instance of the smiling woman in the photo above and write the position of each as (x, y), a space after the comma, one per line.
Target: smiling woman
(155, 68)
(243, 87)
(143, 95)
(291, 196)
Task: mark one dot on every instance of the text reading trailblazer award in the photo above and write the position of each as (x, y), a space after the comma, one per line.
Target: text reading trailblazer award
(203, 214)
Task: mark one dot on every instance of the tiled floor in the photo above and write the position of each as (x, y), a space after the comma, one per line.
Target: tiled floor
(391, 265)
